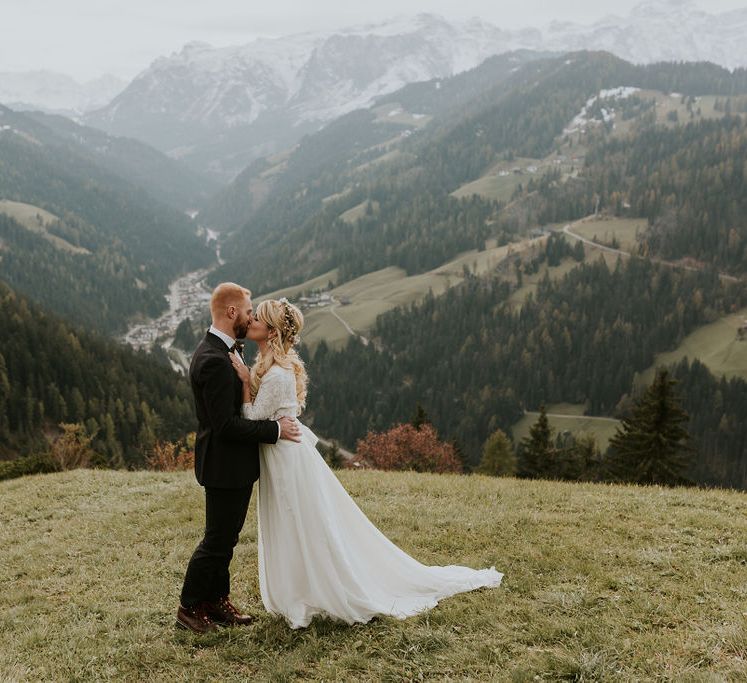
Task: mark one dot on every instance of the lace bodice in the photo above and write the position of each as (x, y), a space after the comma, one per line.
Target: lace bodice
(276, 397)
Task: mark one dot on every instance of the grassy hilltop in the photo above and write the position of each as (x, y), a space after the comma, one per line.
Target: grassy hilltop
(602, 582)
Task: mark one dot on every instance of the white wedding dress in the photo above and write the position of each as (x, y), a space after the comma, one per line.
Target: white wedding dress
(318, 553)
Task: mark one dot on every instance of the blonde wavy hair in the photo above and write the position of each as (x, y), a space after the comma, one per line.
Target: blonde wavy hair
(285, 318)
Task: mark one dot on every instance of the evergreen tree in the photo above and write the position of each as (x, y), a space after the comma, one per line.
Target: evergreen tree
(460, 455)
(537, 449)
(650, 447)
(498, 457)
(184, 337)
(420, 418)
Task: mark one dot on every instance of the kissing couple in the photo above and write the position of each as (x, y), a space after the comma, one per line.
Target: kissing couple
(318, 553)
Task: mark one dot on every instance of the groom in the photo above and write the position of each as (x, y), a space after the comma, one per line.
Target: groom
(226, 461)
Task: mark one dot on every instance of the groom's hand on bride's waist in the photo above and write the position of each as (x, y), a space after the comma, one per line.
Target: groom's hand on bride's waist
(289, 429)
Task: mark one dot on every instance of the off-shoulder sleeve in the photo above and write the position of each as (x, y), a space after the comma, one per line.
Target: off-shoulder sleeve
(275, 393)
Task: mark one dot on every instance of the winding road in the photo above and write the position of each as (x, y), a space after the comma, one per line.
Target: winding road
(351, 331)
(567, 229)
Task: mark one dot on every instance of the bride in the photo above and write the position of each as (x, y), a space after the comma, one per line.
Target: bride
(318, 552)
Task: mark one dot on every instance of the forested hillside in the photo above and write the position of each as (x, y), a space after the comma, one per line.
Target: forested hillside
(167, 179)
(688, 181)
(406, 186)
(548, 141)
(489, 163)
(475, 362)
(52, 372)
(106, 251)
(339, 151)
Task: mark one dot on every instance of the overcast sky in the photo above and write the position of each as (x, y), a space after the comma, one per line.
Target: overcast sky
(86, 38)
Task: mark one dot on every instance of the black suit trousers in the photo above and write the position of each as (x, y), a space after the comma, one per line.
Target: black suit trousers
(207, 577)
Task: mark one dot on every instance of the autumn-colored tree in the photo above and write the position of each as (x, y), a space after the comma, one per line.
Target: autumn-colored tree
(406, 448)
(72, 449)
(166, 456)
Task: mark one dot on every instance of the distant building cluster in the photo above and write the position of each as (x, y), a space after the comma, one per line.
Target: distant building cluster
(188, 298)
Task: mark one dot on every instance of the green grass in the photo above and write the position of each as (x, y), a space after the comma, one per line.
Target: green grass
(385, 157)
(530, 282)
(358, 211)
(380, 291)
(569, 417)
(492, 186)
(394, 113)
(666, 103)
(318, 282)
(601, 583)
(35, 219)
(604, 230)
(715, 345)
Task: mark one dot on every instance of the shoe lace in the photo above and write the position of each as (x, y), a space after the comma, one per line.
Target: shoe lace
(201, 614)
(226, 604)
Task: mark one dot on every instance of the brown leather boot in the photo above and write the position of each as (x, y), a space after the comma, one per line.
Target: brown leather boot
(195, 619)
(224, 613)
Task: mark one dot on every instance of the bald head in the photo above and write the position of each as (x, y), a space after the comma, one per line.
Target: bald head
(231, 308)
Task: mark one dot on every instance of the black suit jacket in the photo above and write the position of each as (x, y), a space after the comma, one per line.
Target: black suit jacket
(227, 446)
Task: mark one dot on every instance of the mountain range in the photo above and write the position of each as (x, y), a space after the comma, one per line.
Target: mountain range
(57, 93)
(221, 108)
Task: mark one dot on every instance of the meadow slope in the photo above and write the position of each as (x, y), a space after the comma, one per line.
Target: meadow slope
(601, 582)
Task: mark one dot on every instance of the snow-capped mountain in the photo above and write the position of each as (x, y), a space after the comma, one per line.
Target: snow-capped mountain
(660, 30)
(220, 108)
(56, 93)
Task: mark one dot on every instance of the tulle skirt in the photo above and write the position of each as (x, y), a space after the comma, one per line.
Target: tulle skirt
(320, 555)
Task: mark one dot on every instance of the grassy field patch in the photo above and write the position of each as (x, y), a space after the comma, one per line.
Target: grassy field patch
(601, 583)
(605, 230)
(375, 293)
(358, 211)
(491, 186)
(35, 219)
(569, 417)
(530, 282)
(395, 114)
(715, 345)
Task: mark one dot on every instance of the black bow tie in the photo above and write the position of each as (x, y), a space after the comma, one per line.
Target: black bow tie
(237, 346)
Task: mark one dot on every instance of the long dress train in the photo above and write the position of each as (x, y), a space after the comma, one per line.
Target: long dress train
(318, 552)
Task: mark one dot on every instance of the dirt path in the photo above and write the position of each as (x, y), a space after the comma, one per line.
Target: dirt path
(344, 453)
(580, 417)
(567, 229)
(351, 331)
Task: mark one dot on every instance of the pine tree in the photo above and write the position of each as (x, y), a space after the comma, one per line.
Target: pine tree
(537, 449)
(420, 418)
(650, 447)
(460, 456)
(498, 457)
(184, 337)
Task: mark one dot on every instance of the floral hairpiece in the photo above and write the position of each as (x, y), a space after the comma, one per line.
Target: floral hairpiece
(290, 330)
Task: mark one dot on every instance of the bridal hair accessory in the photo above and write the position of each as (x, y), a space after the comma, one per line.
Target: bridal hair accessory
(290, 331)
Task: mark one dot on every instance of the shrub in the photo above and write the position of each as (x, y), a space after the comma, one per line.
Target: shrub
(39, 463)
(166, 456)
(72, 449)
(404, 447)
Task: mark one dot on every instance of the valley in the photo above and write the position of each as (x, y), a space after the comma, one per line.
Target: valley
(530, 232)
(521, 256)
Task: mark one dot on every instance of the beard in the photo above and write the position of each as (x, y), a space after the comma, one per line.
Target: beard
(240, 328)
